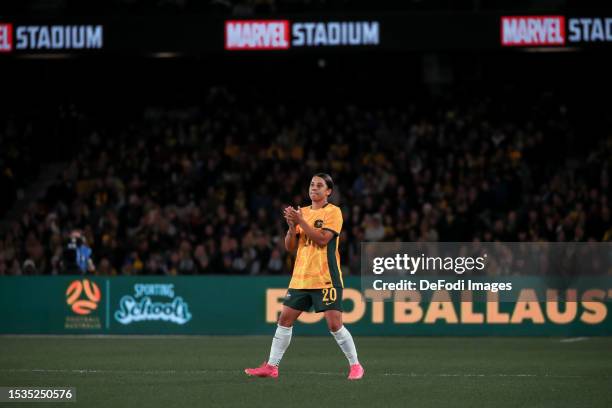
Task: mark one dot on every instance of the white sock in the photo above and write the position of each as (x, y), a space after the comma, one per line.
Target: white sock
(347, 345)
(281, 341)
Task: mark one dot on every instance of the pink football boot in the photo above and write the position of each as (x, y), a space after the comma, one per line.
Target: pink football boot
(264, 370)
(356, 372)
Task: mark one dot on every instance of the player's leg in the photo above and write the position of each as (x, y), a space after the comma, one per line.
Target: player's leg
(330, 303)
(345, 342)
(342, 335)
(295, 303)
(282, 336)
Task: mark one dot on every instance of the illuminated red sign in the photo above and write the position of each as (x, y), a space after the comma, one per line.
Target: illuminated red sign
(6, 37)
(256, 35)
(533, 31)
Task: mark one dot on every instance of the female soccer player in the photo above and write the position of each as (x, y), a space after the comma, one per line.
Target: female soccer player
(317, 279)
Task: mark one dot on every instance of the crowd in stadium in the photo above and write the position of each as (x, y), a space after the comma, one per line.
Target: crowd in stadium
(18, 165)
(201, 190)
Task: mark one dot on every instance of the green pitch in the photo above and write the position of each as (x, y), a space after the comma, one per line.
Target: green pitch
(401, 372)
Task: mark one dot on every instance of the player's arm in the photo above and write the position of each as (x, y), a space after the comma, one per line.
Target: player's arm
(291, 238)
(318, 236)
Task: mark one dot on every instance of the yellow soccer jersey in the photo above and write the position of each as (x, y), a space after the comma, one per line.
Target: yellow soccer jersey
(318, 267)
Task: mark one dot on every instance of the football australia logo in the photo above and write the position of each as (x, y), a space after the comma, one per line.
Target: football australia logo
(318, 223)
(83, 296)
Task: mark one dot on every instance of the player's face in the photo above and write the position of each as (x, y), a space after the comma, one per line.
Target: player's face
(318, 189)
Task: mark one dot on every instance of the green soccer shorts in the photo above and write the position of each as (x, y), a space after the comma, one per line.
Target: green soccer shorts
(320, 299)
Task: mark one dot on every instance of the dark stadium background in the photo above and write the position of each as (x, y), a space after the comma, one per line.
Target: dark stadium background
(529, 131)
(63, 101)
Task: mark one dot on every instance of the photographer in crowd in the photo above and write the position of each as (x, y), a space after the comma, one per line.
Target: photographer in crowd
(76, 257)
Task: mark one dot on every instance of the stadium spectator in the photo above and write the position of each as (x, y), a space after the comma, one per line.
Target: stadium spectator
(197, 190)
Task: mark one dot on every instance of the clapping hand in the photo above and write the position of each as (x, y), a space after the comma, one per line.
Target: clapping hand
(287, 214)
(293, 216)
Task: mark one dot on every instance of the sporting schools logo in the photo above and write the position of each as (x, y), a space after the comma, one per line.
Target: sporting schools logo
(141, 307)
(283, 34)
(92, 296)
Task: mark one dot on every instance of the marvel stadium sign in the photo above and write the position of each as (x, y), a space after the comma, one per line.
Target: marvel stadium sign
(283, 34)
(49, 37)
(545, 31)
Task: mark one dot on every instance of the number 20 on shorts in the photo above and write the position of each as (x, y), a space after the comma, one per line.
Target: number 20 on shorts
(329, 294)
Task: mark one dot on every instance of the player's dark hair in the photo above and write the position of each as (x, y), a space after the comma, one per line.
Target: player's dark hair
(327, 179)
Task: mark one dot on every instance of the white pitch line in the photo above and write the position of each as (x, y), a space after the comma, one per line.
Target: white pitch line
(203, 372)
(109, 336)
(96, 371)
(573, 339)
(486, 375)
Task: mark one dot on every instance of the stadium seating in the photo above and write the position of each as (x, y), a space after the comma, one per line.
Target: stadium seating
(200, 189)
